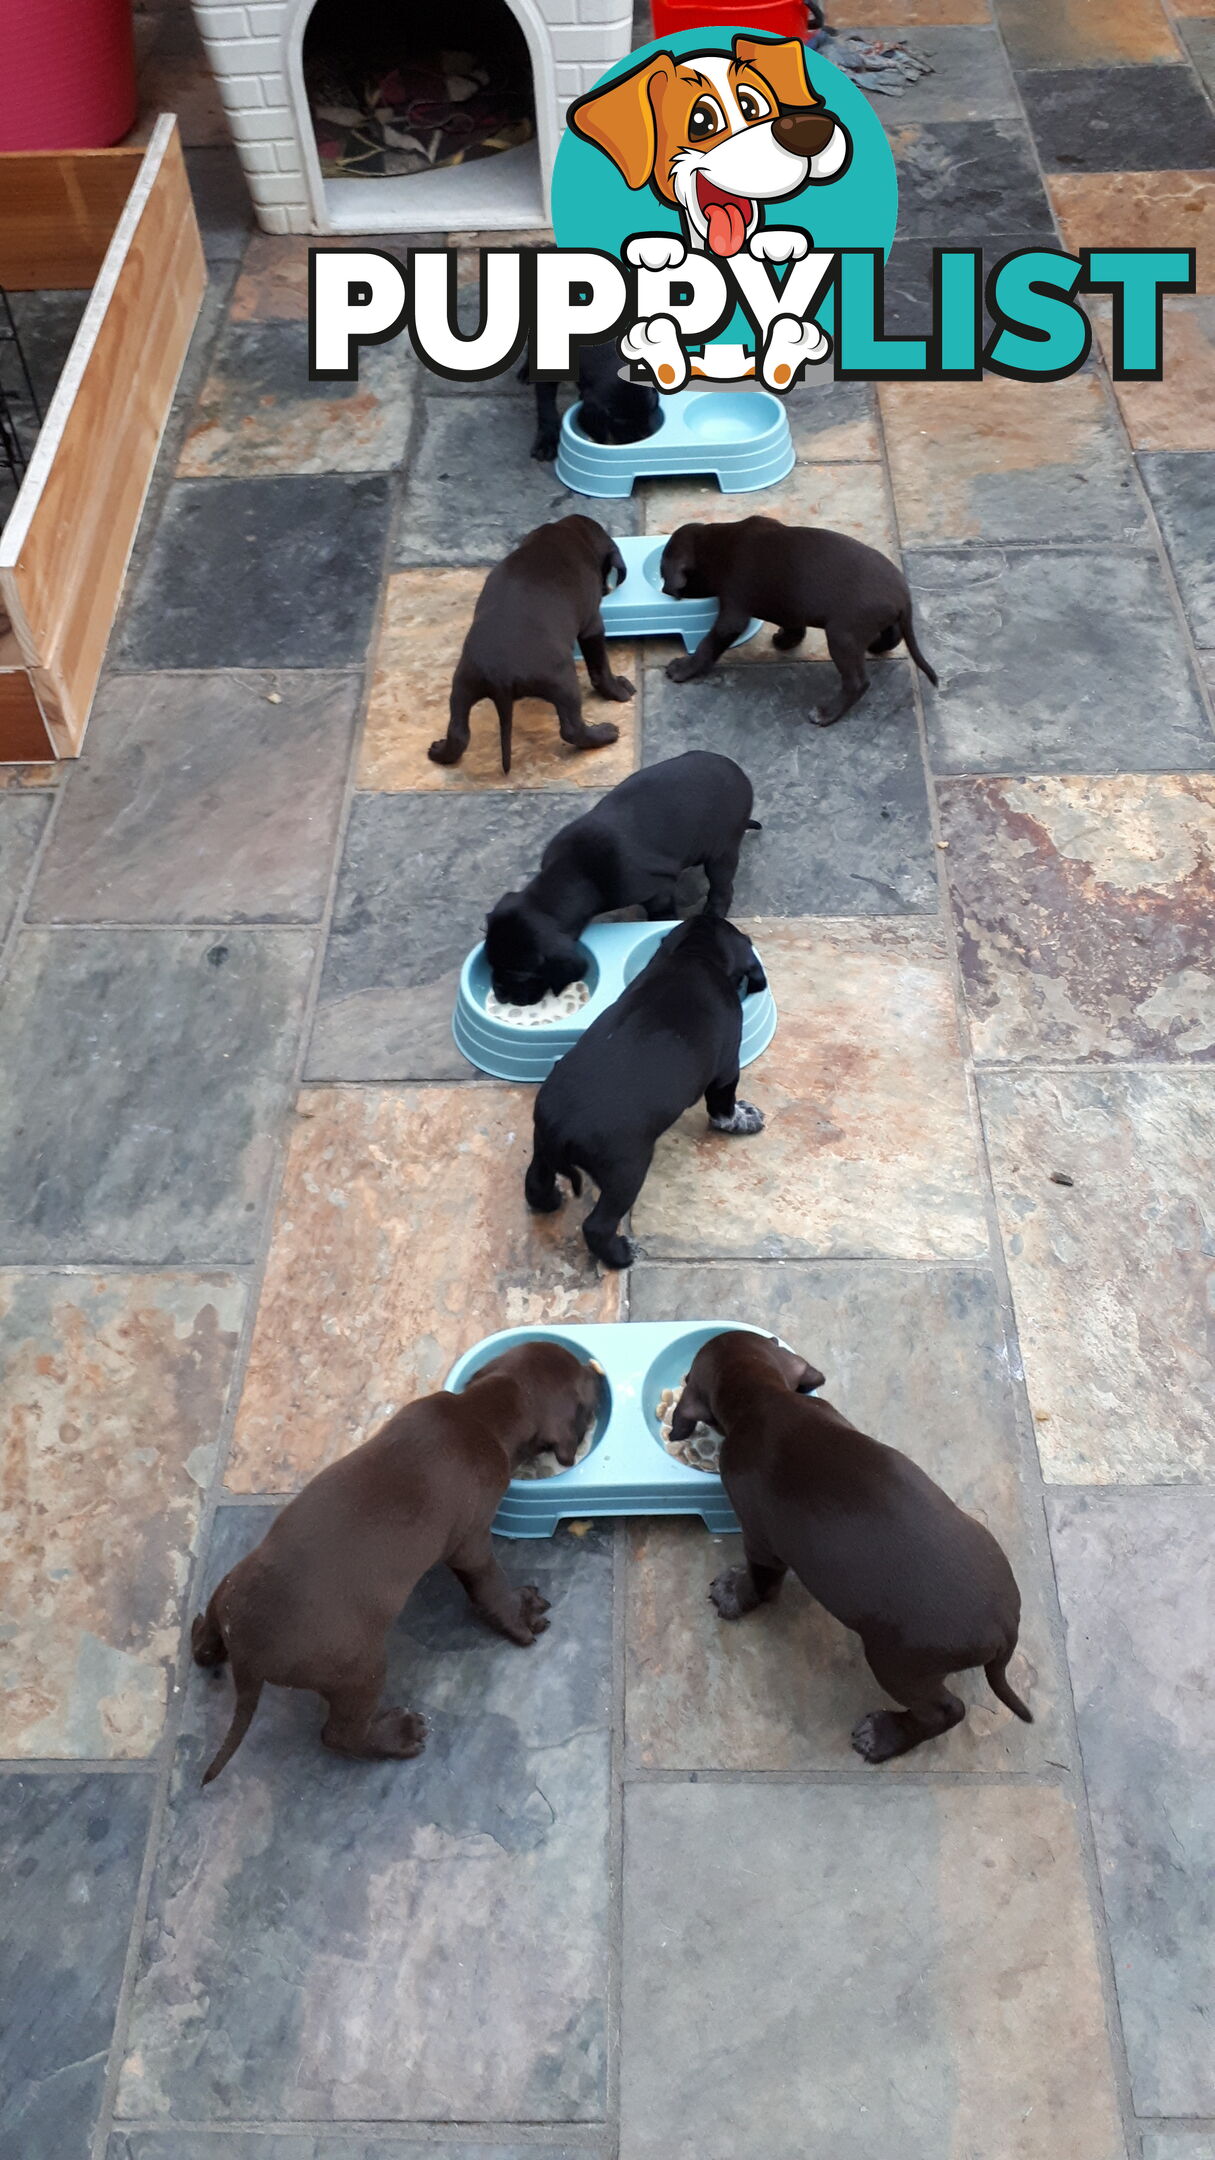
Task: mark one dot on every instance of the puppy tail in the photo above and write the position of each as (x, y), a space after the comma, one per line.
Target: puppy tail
(907, 627)
(505, 708)
(248, 1696)
(1003, 1693)
(753, 825)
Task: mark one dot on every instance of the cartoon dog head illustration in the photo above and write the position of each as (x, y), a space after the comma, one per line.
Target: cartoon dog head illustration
(717, 134)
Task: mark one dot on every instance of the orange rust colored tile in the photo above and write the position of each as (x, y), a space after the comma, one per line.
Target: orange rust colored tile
(1139, 210)
(426, 616)
(401, 1238)
(1177, 413)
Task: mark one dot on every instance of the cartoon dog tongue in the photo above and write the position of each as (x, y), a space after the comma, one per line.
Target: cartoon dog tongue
(727, 227)
(727, 216)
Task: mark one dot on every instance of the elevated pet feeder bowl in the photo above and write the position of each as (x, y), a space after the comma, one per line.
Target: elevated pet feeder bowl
(639, 607)
(617, 953)
(740, 436)
(628, 1470)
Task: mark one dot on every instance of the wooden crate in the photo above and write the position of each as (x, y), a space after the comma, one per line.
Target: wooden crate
(123, 222)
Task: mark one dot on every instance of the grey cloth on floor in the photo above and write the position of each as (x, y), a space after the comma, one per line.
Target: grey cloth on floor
(880, 67)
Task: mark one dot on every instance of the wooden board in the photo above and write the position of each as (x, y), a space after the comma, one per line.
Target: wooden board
(64, 551)
(58, 211)
(24, 736)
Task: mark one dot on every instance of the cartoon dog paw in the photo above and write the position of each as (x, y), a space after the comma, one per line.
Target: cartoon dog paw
(656, 251)
(655, 345)
(779, 247)
(791, 345)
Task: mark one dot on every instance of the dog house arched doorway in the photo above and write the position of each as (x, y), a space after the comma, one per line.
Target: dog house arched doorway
(486, 169)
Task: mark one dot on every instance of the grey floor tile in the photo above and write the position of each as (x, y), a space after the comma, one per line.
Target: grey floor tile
(1135, 1580)
(962, 180)
(1112, 1275)
(1181, 484)
(859, 1969)
(418, 878)
(22, 818)
(1054, 660)
(221, 202)
(403, 1942)
(843, 809)
(473, 489)
(261, 573)
(919, 1358)
(1118, 119)
(198, 799)
(1170, 2144)
(258, 413)
(71, 1850)
(1198, 36)
(969, 77)
(145, 1074)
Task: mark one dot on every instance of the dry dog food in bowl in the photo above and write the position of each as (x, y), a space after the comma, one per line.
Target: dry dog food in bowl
(548, 1011)
(702, 1448)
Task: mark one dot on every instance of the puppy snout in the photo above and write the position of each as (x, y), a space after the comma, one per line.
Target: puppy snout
(804, 134)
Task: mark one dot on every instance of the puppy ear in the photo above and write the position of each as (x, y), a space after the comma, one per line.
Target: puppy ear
(619, 119)
(613, 560)
(690, 1411)
(673, 569)
(755, 979)
(782, 64)
(803, 1377)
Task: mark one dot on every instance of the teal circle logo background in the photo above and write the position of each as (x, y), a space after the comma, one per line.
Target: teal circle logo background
(594, 208)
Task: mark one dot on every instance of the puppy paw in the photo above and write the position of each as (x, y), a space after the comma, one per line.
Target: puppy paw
(545, 446)
(599, 734)
(820, 717)
(778, 247)
(443, 753)
(879, 1736)
(654, 344)
(531, 1620)
(682, 670)
(792, 345)
(397, 1733)
(621, 689)
(732, 1594)
(615, 1252)
(656, 251)
(745, 1118)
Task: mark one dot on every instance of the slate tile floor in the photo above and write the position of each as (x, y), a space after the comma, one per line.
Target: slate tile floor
(638, 1898)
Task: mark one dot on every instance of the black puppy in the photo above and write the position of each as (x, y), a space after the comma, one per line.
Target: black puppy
(926, 1587)
(613, 409)
(672, 1035)
(800, 577)
(626, 852)
(532, 610)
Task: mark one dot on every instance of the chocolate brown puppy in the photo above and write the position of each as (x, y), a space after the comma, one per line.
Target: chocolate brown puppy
(533, 608)
(673, 1034)
(311, 1606)
(927, 1588)
(800, 577)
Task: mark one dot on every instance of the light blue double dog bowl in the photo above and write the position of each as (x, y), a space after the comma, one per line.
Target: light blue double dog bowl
(638, 606)
(628, 1470)
(617, 953)
(740, 436)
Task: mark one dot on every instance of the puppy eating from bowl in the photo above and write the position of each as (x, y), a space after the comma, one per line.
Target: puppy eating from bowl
(800, 577)
(672, 1035)
(868, 1533)
(629, 851)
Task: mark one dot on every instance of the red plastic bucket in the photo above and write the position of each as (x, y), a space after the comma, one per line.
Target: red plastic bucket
(67, 74)
(777, 18)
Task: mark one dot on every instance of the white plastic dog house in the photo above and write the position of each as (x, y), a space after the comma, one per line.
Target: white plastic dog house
(256, 50)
